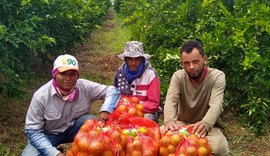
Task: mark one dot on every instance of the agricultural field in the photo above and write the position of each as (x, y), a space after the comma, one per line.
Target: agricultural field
(244, 57)
(241, 140)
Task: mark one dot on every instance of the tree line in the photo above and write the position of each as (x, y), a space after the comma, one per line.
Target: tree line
(32, 32)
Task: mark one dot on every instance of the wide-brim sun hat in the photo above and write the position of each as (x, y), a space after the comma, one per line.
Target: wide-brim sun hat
(134, 49)
(65, 62)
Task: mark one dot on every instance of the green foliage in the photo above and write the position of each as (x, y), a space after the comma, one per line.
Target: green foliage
(235, 35)
(166, 63)
(244, 55)
(33, 30)
(9, 82)
(117, 5)
(256, 110)
(4, 150)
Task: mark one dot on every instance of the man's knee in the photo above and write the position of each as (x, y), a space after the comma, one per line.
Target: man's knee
(152, 116)
(221, 147)
(30, 150)
(218, 143)
(83, 118)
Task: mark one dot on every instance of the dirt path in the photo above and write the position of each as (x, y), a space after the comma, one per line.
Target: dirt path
(96, 59)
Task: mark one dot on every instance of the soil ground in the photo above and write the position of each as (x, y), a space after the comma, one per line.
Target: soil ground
(98, 62)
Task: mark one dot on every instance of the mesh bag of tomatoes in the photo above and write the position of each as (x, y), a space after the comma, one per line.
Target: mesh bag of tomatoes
(143, 135)
(134, 122)
(182, 142)
(131, 106)
(96, 139)
(141, 145)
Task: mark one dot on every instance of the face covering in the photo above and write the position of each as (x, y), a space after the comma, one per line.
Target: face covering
(65, 95)
(131, 76)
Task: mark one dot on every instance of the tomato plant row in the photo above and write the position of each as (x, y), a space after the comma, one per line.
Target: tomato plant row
(34, 31)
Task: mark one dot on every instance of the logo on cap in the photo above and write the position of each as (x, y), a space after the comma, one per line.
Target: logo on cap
(66, 62)
(69, 61)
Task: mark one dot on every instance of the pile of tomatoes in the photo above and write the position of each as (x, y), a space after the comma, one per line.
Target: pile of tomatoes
(96, 139)
(183, 143)
(128, 133)
(131, 106)
(141, 141)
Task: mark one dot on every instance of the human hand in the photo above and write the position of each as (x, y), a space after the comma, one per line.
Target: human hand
(103, 116)
(171, 126)
(60, 154)
(199, 129)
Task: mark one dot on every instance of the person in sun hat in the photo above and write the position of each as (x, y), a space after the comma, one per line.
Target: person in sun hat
(136, 77)
(60, 107)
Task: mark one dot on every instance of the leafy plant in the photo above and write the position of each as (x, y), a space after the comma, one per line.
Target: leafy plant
(34, 31)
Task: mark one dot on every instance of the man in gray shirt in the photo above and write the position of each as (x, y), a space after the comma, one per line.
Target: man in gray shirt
(59, 108)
